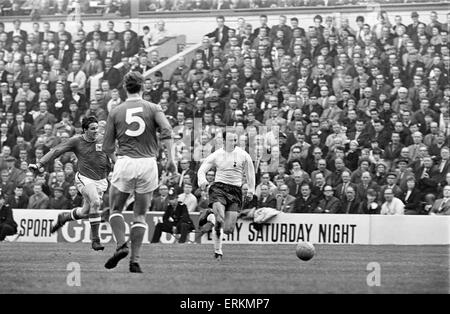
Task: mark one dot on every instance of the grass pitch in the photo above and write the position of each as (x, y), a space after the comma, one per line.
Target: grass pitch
(190, 268)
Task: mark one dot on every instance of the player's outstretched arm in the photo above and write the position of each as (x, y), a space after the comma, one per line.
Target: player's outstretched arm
(207, 164)
(55, 152)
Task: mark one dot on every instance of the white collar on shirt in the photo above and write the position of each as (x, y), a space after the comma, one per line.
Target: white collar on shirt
(134, 98)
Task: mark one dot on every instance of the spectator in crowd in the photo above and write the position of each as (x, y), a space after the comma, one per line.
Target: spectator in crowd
(176, 220)
(188, 198)
(43, 117)
(442, 206)
(265, 180)
(350, 203)
(249, 204)
(412, 198)
(92, 66)
(370, 205)
(266, 199)
(221, 33)
(19, 199)
(74, 199)
(392, 205)
(365, 184)
(391, 184)
(329, 203)
(38, 200)
(7, 186)
(341, 188)
(159, 34)
(7, 224)
(58, 201)
(130, 46)
(285, 201)
(306, 202)
(160, 202)
(111, 74)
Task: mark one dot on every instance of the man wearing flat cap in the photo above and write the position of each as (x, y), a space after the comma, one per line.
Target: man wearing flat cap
(412, 28)
(391, 183)
(58, 201)
(215, 105)
(403, 172)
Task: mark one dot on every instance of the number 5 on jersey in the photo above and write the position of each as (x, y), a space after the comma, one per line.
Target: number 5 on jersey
(130, 118)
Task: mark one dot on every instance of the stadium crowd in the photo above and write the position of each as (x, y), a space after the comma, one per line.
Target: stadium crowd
(199, 5)
(337, 119)
(75, 8)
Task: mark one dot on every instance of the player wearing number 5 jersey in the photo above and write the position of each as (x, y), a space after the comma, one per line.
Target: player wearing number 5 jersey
(134, 125)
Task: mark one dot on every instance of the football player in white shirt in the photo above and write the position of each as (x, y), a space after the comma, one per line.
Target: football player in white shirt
(225, 194)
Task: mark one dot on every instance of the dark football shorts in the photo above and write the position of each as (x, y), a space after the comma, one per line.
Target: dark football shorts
(228, 195)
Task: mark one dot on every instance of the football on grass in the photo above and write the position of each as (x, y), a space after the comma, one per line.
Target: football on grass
(305, 251)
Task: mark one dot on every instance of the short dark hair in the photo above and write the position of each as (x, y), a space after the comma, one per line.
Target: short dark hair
(224, 133)
(364, 160)
(379, 121)
(133, 82)
(305, 184)
(87, 121)
(295, 160)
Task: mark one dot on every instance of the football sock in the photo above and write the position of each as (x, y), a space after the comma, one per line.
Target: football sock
(218, 239)
(94, 220)
(104, 215)
(211, 218)
(66, 217)
(136, 235)
(118, 227)
(76, 214)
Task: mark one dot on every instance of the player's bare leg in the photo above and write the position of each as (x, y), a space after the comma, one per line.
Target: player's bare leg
(117, 201)
(230, 219)
(219, 214)
(137, 232)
